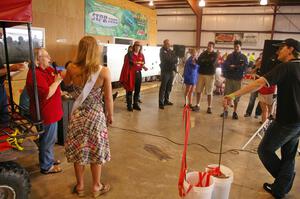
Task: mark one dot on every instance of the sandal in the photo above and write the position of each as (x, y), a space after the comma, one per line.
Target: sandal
(104, 189)
(53, 169)
(79, 193)
(56, 162)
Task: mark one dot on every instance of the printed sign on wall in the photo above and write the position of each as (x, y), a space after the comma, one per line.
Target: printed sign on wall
(249, 39)
(227, 38)
(105, 19)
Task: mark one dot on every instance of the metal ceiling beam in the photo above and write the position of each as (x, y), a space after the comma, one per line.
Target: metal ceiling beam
(198, 12)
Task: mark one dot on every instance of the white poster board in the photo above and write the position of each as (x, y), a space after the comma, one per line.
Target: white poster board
(115, 59)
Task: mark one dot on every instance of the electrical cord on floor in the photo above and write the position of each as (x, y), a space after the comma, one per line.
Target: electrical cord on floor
(233, 151)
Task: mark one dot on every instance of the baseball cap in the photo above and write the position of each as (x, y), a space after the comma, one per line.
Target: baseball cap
(290, 43)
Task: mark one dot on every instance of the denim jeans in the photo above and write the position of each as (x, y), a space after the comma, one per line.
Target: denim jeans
(285, 137)
(165, 87)
(251, 104)
(47, 141)
(4, 118)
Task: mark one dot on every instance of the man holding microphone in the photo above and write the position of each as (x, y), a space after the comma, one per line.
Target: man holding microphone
(284, 132)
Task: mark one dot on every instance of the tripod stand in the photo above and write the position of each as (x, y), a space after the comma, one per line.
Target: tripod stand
(261, 130)
(178, 77)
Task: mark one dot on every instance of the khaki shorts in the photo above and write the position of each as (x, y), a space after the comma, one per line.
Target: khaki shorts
(206, 81)
(232, 86)
(267, 99)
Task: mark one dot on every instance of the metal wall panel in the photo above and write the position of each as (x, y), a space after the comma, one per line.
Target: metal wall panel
(279, 36)
(176, 22)
(289, 23)
(289, 9)
(237, 23)
(263, 9)
(175, 11)
(182, 38)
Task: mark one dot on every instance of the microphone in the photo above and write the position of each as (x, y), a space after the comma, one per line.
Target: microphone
(55, 67)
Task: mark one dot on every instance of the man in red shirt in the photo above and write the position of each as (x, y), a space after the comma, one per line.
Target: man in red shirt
(50, 106)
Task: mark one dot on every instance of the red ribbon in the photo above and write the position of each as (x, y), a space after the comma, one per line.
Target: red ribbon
(183, 169)
(186, 120)
(214, 171)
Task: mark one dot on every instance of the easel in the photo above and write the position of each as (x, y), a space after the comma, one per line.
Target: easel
(178, 77)
(261, 130)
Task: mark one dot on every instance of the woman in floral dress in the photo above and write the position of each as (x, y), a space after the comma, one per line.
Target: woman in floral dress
(87, 138)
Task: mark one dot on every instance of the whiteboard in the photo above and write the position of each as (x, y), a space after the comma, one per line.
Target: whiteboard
(115, 60)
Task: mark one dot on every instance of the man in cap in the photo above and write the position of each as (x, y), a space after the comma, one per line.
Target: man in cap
(284, 132)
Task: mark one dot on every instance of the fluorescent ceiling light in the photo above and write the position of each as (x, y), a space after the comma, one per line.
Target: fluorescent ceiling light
(202, 3)
(151, 3)
(263, 2)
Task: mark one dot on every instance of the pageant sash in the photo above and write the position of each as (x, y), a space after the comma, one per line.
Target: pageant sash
(86, 90)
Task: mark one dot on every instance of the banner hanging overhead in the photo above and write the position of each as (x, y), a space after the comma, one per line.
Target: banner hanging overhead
(105, 19)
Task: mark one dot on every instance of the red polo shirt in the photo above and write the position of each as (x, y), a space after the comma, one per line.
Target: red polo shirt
(50, 109)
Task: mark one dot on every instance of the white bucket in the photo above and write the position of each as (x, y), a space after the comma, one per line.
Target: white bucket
(192, 178)
(222, 185)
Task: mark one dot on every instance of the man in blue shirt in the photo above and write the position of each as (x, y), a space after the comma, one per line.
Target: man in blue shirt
(233, 70)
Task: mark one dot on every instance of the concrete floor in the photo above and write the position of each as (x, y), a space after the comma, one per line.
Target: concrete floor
(136, 172)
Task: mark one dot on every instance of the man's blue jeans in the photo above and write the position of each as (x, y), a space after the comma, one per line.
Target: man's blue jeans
(251, 104)
(47, 141)
(285, 137)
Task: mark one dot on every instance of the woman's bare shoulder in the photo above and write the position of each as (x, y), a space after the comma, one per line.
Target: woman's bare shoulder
(105, 71)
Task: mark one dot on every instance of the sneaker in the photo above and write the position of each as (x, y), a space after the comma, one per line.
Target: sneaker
(168, 103)
(247, 115)
(235, 116)
(136, 107)
(225, 114)
(196, 108)
(209, 110)
(161, 106)
(268, 188)
(130, 109)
